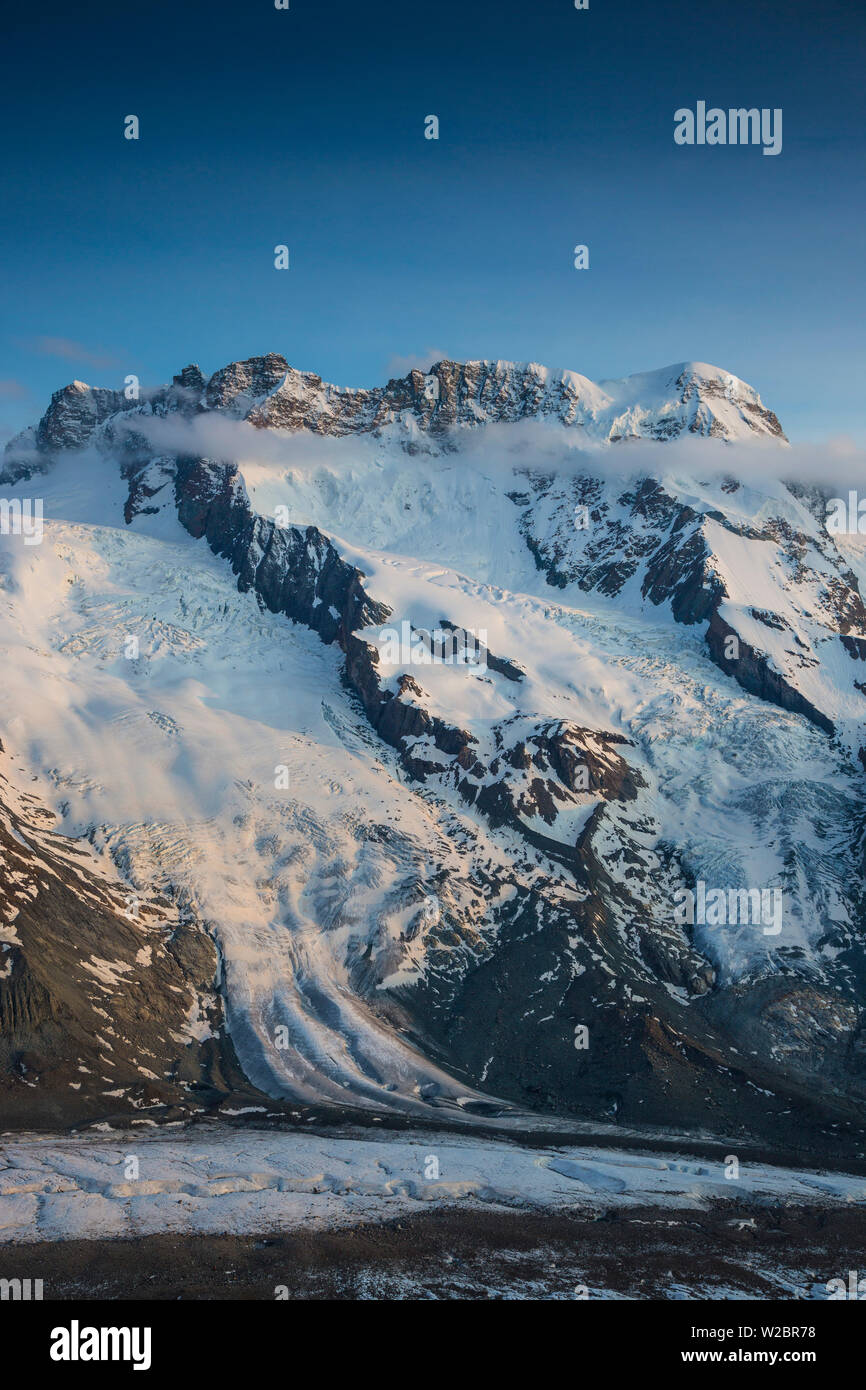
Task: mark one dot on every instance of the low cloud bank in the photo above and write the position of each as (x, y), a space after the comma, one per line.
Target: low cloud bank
(515, 447)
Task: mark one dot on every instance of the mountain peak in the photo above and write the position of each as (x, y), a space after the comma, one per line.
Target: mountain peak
(684, 398)
(190, 378)
(688, 397)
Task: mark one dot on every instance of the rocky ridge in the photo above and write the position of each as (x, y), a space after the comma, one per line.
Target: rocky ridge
(688, 398)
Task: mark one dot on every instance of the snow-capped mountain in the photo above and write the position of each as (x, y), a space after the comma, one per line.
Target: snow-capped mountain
(689, 397)
(439, 884)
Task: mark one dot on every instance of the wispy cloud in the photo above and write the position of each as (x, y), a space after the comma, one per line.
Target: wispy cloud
(71, 351)
(13, 390)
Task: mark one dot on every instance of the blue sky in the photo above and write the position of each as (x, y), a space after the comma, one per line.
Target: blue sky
(306, 127)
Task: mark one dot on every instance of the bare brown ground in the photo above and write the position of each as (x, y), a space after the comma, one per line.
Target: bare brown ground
(472, 1252)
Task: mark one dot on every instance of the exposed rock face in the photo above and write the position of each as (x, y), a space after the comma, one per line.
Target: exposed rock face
(240, 384)
(753, 672)
(73, 415)
(689, 398)
(642, 532)
(109, 1002)
(454, 394)
(295, 572)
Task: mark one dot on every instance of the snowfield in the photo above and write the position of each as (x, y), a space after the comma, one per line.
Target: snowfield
(169, 762)
(251, 1181)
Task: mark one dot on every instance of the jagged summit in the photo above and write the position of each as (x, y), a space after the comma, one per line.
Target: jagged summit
(686, 398)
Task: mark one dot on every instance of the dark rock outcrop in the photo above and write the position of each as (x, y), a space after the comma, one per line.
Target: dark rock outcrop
(754, 673)
(110, 1002)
